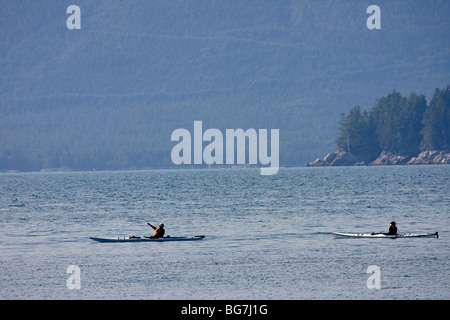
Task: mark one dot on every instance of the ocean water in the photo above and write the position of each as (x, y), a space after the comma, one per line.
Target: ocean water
(267, 237)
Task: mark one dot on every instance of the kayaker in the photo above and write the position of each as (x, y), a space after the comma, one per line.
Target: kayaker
(159, 231)
(392, 230)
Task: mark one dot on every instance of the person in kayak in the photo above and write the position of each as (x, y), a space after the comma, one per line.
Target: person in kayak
(392, 230)
(159, 231)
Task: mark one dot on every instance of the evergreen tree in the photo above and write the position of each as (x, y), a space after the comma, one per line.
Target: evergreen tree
(436, 122)
(387, 117)
(411, 125)
(357, 134)
(398, 122)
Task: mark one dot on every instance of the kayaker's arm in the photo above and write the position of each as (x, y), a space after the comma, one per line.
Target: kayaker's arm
(154, 228)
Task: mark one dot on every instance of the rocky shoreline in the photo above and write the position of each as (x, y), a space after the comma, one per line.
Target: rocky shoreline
(342, 158)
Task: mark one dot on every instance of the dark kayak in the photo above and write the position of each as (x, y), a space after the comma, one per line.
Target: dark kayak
(144, 239)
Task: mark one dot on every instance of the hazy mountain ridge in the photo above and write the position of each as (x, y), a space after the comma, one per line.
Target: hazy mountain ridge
(112, 92)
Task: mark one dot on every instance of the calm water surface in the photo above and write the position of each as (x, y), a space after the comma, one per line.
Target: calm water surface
(267, 237)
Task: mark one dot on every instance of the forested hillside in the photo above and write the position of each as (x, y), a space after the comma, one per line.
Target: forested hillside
(109, 95)
(399, 125)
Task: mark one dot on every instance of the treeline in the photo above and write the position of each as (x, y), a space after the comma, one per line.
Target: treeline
(401, 125)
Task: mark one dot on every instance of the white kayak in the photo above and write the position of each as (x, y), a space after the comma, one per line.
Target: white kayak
(380, 235)
(144, 239)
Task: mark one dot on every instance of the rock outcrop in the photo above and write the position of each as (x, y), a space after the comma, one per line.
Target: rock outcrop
(342, 158)
(431, 157)
(338, 158)
(388, 158)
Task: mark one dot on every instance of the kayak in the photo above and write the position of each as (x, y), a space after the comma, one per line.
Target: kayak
(144, 239)
(380, 235)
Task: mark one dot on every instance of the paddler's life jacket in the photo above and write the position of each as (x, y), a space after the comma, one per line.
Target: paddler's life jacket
(159, 232)
(392, 230)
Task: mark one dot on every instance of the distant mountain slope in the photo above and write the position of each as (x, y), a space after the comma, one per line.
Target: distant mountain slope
(109, 95)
